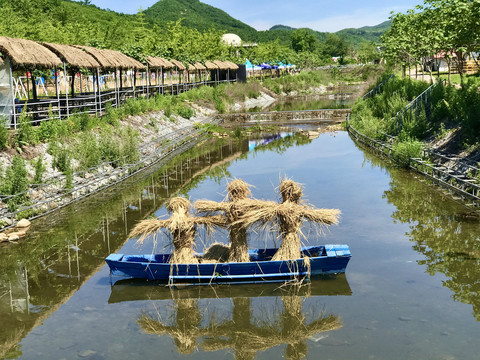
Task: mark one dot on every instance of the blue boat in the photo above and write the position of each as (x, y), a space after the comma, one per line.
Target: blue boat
(316, 260)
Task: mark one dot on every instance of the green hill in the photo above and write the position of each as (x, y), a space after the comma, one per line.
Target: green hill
(368, 33)
(353, 35)
(199, 16)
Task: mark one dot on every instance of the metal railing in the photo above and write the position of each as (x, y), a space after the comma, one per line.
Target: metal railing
(379, 88)
(93, 103)
(422, 101)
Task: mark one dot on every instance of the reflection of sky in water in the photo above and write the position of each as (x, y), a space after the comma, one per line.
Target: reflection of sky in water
(252, 144)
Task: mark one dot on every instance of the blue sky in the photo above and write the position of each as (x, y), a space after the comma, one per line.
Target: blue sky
(322, 15)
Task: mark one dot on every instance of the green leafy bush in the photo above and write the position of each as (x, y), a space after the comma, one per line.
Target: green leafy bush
(405, 150)
(39, 170)
(3, 133)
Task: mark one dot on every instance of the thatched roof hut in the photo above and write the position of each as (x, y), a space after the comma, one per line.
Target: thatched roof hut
(199, 66)
(112, 59)
(210, 65)
(158, 62)
(192, 67)
(178, 64)
(231, 65)
(221, 65)
(28, 53)
(74, 56)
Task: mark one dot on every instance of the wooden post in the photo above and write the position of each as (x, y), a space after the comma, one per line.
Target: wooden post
(163, 80)
(148, 83)
(13, 97)
(57, 93)
(117, 94)
(99, 93)
(134, 81)
(66, 88)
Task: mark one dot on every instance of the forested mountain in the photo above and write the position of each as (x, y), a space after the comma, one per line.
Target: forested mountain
(368, 33)
(351, 35)
(198, 15)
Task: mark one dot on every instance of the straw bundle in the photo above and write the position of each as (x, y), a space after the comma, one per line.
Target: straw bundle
(232, 211)
(73, 56)
(184, 331)
(178, 64)
(210, 65)
(181, 226)
(28, 53)
(289, 216)
(216, 253)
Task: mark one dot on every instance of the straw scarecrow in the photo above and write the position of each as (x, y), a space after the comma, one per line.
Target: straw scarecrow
(184, 331)
(239, 202)
(182, 227)
(289, 215)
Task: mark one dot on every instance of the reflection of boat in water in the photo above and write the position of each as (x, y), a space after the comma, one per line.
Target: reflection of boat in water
(140, 289)
(248, 329)
(322, 260)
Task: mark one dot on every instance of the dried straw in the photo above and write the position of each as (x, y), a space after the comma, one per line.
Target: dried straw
(233, 209)
(181, 226)
(289, 217)
(216, 253)
(28, 53)
(74, 56)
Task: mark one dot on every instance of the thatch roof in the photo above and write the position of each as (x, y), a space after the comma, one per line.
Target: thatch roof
(221, 65)
(158, 62)
(192, 67)
(199, 66)
(112, 59)
(73, 55)
(231, 65)
(210, 65)
(28, 53)
(178, 64)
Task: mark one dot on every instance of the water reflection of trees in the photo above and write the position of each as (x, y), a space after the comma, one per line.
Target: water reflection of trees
(245, 333)
(445, 232)
(68, 247)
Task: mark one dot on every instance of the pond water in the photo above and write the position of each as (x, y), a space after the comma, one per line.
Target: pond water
(411, 289)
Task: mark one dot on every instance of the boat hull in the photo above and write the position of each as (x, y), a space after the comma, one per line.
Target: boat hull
(316, 260)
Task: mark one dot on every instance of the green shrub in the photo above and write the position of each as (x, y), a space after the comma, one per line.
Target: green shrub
(26, 133)
(3, 133)
(68, 175)
(184, 111)
(39, 170)
(87, 151)
(405, 150)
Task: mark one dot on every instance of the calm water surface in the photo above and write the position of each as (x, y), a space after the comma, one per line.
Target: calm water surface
(411, 290)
